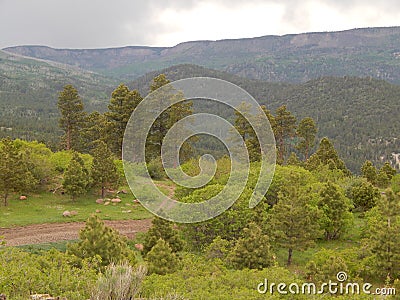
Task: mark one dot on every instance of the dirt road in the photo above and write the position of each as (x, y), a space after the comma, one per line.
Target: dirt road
(45, 233)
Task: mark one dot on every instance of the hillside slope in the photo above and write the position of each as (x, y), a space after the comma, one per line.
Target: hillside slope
(29, 90)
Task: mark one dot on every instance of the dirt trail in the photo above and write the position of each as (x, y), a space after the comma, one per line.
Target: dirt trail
(45, 233)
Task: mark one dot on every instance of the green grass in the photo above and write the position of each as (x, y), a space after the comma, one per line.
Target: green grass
(37, 248)
(48, 208)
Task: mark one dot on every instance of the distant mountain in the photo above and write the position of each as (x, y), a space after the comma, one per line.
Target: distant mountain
(29, 90)
(361, 115)
(293, 58)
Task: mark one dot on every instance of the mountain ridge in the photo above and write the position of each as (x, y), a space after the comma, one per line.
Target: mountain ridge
(373, 51)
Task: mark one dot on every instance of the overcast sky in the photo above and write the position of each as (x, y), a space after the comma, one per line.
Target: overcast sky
(112, 23)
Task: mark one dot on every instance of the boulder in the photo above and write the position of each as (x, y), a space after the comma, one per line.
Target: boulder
(23, 197)
(3, 297)
(116, 200)
(107, 203)
(98, 211)
(73, 212)
(66, 213)
(139, 247)
(136, 201)
(100, 201)
(123, 192)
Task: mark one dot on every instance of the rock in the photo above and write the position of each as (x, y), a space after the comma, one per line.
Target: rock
(100, 201)
(116, 200)
(139, 247)
(107, 203)
(135, 201)
(123, 192)
(23, 197)
(3, 297)
(126, 211)
(128, 204)
(67, 213)
(73, 212)
(98, 211)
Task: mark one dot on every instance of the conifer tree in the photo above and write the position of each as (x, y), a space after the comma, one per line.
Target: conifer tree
(307, 131)
(98, 239)
(72, 116)
(104, 171)
(162, 229)
(96, 128)
(253, 251)
(364, 195)
(326, 154)
(161, 260)
(294, 160)
(122, 103)
(293, 219)
(384, 235)
(284, 128)
(369, 172)
(76, 177)
(14, 172)
(390, 172)
(336, 211)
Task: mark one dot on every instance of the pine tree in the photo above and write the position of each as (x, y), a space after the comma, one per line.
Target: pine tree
(388, 170)
(72, 116)
(293, 219)
(253, 251)
(307, 131)
(326, 154)
(162, 229)
(161, 260)
(384, 235)
(364, 195)
(98, 239)
(14, 172)
(336, 210)
(122, 103)
(167, 118)
(96, 128)
(104, 171)
(76, 177)
(369, 172)
(293, 160)
(284, 128)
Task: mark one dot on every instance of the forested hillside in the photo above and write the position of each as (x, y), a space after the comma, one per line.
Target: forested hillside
(28, 95)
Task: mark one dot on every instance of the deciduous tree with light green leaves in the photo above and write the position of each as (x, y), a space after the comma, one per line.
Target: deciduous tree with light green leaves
(14, 172)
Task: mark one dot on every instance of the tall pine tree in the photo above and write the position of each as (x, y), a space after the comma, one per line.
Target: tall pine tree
(284, 128)
(104, 171)
(76, 177)
(306, 131)
(72, 117)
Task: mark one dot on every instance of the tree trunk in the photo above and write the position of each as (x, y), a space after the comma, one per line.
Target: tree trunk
(289, 259)
(5, 199)
(102, 192)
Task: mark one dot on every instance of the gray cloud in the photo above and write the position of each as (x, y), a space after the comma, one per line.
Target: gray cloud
(102, 23)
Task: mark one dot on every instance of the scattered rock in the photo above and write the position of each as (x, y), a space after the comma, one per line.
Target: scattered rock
(126, 211)
(98, 211)
(100, 201)
(3, 297)
(107, 203)
(135, 201)
(116, 200)
(73, 212)
(123, 192)
(139, 247)
(67, 213)
(128, 204)
(22, 198)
